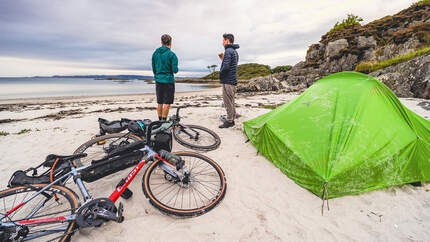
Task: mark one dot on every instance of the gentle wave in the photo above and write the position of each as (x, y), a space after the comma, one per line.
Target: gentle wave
(54, 87)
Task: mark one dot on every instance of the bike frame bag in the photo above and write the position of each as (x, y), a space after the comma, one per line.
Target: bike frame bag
(110, 165)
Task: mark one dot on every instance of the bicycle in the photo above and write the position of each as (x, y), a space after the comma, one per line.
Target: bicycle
(109, 138)
(181, 184)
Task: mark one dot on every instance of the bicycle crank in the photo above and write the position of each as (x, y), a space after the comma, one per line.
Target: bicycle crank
(97, 211)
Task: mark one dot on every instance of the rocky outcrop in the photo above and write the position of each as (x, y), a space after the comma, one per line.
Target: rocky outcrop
(409, 79)
(380, 40)
(269, 83)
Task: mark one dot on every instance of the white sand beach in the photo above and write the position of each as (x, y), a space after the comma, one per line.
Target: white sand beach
(261, 204)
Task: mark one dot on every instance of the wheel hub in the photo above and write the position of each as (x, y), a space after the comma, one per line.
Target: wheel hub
(169, 177)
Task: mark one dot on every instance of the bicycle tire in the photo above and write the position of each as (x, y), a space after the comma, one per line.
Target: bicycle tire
(96, 140)
(213, 146)
(62, 193)
(164, 207)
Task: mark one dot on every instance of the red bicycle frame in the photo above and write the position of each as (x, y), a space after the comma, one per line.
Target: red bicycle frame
(114, 196)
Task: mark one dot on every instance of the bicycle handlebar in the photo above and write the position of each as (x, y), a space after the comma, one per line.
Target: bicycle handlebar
(177, 110)
(149, 129)
(164, 126)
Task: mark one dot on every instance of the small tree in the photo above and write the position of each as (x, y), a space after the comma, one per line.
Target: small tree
(281, 69)
(213, 68)
(351, 20)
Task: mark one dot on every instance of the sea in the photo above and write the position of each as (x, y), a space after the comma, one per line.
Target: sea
(35, 87)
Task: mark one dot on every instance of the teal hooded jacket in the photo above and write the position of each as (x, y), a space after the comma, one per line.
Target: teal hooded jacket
(164, 65)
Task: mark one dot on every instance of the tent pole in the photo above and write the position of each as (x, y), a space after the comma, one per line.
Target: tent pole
(324, 198)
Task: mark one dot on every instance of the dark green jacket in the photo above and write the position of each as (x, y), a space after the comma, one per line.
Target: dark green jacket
(164, 65)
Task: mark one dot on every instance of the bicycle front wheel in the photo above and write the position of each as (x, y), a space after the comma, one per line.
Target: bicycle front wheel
(204, 189)
(98, 147)
(55, 202)
(196, 137)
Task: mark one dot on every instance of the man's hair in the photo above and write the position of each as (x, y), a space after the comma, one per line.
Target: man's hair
(166, 39)
(229, 37)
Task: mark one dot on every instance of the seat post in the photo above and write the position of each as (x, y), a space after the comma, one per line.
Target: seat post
(80, 184)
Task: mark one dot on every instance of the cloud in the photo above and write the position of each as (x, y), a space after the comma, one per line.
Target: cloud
(121, 35)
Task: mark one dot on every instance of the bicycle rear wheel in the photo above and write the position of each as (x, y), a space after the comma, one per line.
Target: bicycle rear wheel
(204, 190)
(196, 137)
(50, 207)
(98, 147)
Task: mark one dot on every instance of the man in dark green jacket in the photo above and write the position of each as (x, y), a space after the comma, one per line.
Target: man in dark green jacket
(164, 65)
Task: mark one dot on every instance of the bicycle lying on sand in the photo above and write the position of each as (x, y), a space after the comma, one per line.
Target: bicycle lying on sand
(191, 136)
(36, 207)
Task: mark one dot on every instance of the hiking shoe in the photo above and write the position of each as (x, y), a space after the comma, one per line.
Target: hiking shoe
(223, 118)
(226, 124)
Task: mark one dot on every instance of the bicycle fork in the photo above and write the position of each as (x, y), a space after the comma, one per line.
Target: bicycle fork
(184, 129)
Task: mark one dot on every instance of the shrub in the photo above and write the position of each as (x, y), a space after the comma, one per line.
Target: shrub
(213, 76)
(23, 131)
(379, 52)
(374, 66)
(281, 69)
(420, 3)
(2, 133)
(268, 106)
(244, 72)
(351, 20)
(251, 70)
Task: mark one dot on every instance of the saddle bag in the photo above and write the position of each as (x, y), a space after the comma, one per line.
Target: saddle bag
(110, 165)
(20, 178)
(112, 126)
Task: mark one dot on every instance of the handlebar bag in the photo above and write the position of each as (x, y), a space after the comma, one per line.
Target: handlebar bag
(163, 141)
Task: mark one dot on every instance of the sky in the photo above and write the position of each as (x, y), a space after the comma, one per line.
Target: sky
(84, 37)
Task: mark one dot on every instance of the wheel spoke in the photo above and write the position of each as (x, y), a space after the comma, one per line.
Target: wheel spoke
(207, 189)
(95, 151)
(204, 186)
(40, 207)
(196, 137)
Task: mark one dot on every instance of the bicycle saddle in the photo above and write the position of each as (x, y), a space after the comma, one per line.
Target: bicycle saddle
(50, 159)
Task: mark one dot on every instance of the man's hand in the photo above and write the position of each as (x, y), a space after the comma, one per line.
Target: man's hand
(221, 55)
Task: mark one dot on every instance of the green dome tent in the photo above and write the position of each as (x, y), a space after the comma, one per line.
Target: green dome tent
(347, 134)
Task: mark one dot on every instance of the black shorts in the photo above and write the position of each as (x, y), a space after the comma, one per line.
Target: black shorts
(165, 92)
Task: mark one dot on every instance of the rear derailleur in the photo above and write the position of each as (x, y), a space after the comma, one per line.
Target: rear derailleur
(13, 233)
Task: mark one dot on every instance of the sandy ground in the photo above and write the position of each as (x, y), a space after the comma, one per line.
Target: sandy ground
(261, 204)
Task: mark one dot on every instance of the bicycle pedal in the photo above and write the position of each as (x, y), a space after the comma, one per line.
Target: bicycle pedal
(101, 142)
(120, 218)
(127, 194)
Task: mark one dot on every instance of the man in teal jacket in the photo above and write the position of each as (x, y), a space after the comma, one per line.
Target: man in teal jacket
(164, 65)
